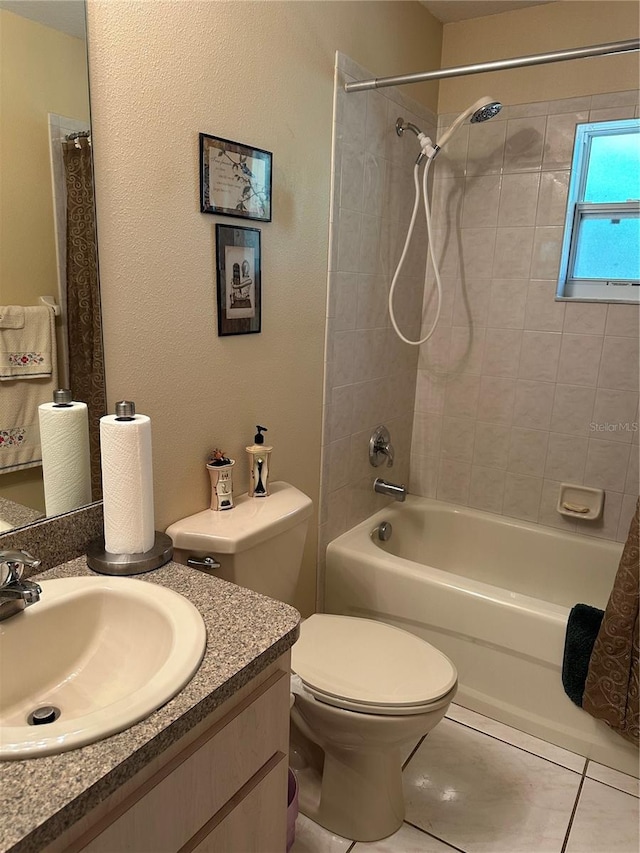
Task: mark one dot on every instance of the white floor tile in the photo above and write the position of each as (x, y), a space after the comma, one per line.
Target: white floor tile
(618, 780)
(605, 821)
(485, 796)
(312, 838)
(406, 840)
(517, 738)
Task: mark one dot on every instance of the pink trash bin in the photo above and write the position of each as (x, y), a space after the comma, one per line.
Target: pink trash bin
(292, 808)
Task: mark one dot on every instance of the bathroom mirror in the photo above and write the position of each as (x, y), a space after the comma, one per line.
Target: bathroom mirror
(44, 92)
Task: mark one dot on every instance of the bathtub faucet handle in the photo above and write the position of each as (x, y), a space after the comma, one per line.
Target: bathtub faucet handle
(380, 447)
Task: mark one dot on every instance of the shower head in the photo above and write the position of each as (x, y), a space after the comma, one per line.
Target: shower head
(482, 110)
(486, 112)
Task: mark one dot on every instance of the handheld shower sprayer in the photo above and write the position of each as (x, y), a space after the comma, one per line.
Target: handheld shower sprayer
(482, 110)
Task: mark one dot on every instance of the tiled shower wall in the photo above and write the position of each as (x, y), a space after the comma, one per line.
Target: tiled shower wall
(370, 376)
(517, 392)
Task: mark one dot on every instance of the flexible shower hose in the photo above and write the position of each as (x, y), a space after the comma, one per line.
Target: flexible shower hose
(427, 214)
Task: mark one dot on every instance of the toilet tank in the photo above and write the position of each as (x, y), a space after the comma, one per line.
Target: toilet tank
(258, 543)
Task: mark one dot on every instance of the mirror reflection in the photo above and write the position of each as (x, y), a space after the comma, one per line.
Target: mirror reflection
(50, 324)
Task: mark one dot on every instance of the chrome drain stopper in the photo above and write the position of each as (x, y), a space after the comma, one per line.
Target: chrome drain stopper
(43, 715)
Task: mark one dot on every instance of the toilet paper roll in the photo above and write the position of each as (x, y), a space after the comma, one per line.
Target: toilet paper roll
(127, 484)
(66, 465)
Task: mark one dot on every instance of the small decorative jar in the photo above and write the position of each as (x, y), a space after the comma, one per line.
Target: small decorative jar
(220, 470)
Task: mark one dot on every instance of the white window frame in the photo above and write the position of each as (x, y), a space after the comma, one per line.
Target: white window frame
(593, 290)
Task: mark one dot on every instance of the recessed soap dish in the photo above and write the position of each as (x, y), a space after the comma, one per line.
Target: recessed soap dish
(581, 502)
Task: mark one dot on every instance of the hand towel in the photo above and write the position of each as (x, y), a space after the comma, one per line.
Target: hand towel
(19, 422)
(27, 351)
(12, 317)
(582, 629)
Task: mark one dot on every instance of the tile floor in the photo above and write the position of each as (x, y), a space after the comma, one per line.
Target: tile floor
(478, 786)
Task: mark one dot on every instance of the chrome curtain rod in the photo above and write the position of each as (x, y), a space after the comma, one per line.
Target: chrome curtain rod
(498, 65)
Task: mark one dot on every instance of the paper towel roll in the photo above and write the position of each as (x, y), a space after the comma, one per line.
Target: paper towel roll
(66, 465)
(127, 484)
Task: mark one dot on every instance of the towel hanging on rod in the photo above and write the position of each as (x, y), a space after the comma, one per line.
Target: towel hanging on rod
(50, 302)
(28, 378)
(27, 348)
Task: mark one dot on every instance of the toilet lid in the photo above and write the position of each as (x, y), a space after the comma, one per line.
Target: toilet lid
(368, 663)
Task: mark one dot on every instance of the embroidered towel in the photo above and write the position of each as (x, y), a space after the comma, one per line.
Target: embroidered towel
(27, 351)
(19, 425)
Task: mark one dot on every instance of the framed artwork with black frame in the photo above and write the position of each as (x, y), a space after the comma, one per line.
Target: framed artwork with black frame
(239, 283)
(235, 179)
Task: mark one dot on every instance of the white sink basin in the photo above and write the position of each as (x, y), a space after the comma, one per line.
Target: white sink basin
(105, 651)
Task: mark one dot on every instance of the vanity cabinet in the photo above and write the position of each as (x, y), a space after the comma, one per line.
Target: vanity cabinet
(220, 789)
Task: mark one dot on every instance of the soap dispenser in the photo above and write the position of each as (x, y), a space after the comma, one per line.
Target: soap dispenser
(259, 454)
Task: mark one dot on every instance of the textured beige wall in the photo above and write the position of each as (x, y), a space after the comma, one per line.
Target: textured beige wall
(43, 71)
(260, 73)
(541, 29)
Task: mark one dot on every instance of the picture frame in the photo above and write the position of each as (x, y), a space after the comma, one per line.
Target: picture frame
(239, 280)
(235, 179)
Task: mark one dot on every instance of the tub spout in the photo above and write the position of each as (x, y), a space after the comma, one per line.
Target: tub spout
(392, 490)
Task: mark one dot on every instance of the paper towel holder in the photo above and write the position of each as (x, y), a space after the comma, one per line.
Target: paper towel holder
(104, 563)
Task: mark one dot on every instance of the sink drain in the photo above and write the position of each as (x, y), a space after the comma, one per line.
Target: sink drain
(42, 716)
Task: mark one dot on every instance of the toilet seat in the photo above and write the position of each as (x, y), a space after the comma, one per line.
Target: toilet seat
(371, 667)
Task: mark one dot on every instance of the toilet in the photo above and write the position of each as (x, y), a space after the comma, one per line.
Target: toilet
(361, 689)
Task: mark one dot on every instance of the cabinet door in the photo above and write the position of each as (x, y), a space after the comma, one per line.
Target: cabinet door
(169, 809)
(256, 823)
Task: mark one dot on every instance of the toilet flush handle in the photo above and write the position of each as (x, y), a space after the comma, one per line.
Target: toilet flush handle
(205, 564)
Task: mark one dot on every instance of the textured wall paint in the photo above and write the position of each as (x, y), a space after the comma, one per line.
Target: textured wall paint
(260, 73)
(540, 29)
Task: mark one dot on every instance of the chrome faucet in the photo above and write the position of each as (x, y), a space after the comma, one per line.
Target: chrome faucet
(392, 490)
(16, 593)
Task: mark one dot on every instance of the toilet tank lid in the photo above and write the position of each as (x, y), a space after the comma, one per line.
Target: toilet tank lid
(250, 522)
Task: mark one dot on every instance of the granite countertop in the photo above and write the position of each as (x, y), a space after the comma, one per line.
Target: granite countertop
(16, 514)
(40, 797)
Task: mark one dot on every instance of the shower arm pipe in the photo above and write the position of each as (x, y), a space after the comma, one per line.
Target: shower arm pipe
(497, 65)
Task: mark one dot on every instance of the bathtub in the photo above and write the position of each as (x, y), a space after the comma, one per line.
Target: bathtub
(494, 595)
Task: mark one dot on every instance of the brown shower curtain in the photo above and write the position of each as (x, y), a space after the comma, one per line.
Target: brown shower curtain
(611, 689)
(86, 357)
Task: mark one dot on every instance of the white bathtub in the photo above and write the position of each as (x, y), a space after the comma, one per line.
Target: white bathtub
(493, 594)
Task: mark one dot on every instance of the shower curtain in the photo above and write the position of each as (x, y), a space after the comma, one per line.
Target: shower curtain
(611, 690)
(84, 324)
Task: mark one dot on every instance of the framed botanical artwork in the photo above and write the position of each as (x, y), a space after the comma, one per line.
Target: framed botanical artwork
(239, 284)
(235, 179)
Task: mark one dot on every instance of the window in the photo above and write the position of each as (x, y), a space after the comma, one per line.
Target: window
(601, 247)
